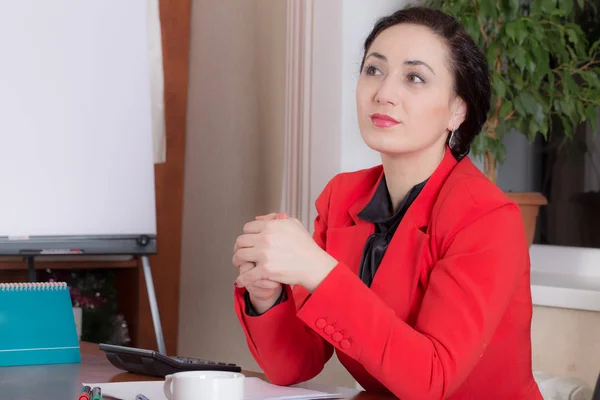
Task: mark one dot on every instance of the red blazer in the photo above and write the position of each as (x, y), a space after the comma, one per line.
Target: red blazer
(448, 314)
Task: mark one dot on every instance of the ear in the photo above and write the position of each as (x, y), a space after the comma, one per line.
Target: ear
(459, 113)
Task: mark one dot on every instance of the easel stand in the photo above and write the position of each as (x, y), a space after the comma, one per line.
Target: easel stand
(160, 340)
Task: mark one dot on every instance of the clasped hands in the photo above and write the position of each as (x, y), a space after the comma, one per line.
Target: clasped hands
(274, 250)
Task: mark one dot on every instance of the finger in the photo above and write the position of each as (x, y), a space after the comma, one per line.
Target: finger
(243, 256)
(282, 215)
(255, 226)
(298, 222)
(244, 241)
(266, 217)
(246, 267)
(250, 277)
(261, 283)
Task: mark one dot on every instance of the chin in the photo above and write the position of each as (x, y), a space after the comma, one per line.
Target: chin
(387, 142)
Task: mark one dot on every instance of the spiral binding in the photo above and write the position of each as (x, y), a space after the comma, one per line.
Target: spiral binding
(33, 286)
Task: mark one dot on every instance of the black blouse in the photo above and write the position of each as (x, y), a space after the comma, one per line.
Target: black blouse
(379, 212)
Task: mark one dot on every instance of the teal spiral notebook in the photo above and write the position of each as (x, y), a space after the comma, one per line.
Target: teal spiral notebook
(37, 324)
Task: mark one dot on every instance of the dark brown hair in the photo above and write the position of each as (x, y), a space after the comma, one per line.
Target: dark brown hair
(467, 64)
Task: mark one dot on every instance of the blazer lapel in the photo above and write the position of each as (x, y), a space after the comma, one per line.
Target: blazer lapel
(346, 243)
(398, 275)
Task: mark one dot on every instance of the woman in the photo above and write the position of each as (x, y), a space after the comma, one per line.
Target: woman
(418, 270)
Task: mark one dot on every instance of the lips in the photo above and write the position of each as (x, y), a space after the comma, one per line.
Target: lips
(383, 121)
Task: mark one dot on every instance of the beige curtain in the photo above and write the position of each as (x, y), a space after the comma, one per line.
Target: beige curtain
(156, 82)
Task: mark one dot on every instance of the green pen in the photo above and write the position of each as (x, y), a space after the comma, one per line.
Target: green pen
(96, 394)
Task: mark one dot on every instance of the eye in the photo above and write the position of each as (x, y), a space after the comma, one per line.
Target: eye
(415, 78)
(372, 70)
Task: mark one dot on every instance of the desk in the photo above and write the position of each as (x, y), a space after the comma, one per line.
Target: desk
(63, 382)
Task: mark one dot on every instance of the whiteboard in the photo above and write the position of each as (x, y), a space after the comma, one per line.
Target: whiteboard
(75, 128)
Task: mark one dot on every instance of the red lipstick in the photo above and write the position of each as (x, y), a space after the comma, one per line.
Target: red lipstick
(383, 121)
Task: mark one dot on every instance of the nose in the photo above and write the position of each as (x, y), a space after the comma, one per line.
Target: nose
(388, 92)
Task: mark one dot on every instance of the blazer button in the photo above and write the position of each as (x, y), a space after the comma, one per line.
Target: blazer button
(336, 337)
(321, 323)
(344, 344)
(329, 329)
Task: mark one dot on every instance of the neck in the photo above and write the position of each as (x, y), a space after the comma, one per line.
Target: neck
(407, 170)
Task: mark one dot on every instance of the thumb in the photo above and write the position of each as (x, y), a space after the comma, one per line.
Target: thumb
(282, 215)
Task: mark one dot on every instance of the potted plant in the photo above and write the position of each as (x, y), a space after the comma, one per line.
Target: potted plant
(543, 70)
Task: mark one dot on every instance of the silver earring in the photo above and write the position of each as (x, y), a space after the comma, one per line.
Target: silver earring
(451, 141)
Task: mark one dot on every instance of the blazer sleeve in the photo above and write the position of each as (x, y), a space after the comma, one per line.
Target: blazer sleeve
(468, 292)
(286, 350)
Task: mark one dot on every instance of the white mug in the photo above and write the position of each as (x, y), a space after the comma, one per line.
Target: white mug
(204, 385)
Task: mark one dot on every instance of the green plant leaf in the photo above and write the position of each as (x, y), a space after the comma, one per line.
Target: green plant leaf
(500, 153)
(519, 106)
(567, 128)
(580, 3)
(557, 106)
(542, 60)
(559, 13)
(487, 9)
(528, 102)
(566, 6)
(471, 25)
(523, 126)
(557, 46)
(500, 129)
(568, 83)
(544, 101)
(593, 48)
(591, 78)
(505, 108)
(498, 85)
(532, 130)
(539, 33)
(521, 31)
(511, 30)
(535, 9)
(516, 78)
(580, 110)
(539, 115)
(547, 6)
(521, 58)
(544, 128)
(510, 8)
(573, 36)
(478, 145)
(572, 53)
(491, 53)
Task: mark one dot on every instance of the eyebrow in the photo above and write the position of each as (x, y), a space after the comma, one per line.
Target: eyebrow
(407, 62)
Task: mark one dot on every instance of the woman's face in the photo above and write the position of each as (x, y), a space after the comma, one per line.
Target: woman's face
(405, 97)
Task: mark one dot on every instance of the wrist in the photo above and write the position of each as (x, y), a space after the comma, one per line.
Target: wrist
(263, 305)
(314, 276)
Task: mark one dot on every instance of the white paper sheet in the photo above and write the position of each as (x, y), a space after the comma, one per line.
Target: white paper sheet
(254, 389)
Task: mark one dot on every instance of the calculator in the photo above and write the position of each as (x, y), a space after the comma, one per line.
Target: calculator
(149, 362)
